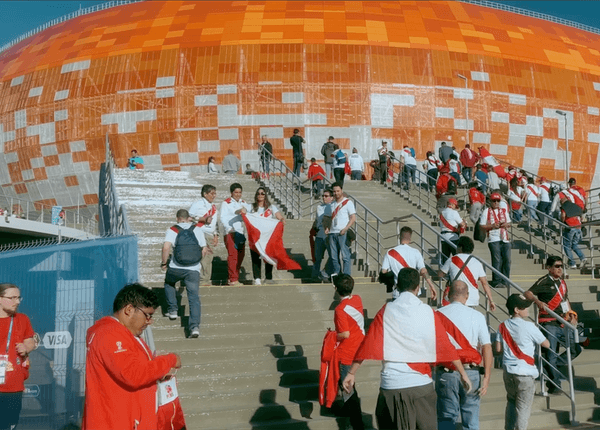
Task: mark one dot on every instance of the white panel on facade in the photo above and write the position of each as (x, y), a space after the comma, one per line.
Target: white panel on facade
(48, 150)
(228, 134)
(77, 146)
(382, 108)
(11, 157)
(292, 97)
(165, 93)
(463, 93)
(500, 117)
(535, 126)
(498, 149)
(34, 92)
(517, 99)
(188, 158)
(480, 76)
(168, 148)
(127, 121)
(443, 112)
(73, 67)
(205, 100)
(61, 95)
(597, 86)
(593, 111)
(209, 146)
(226, 89)
(20, 119)
(61, 115)
(461, 124)
(485, 138)
(271, 132)
(165, 81)
(16, 81)
(269, 82)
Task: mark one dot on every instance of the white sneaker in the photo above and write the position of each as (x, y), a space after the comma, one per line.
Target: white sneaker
(573, 266)
(257, 281)
(172, 315)
(195, 333)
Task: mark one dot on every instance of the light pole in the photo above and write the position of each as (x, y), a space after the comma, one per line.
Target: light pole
(466, 103)
(564, 115)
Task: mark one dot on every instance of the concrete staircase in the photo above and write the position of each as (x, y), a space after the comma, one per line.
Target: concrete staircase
(257, 360)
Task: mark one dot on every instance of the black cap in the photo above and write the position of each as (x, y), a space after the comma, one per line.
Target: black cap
(517, 301)
(572, 181)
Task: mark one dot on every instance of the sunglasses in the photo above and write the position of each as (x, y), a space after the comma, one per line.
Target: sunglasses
(260, 194)
(558, 266)
(495, 200)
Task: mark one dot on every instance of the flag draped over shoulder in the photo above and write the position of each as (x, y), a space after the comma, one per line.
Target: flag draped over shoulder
(407, 333)
(488, 158)
(265, 236)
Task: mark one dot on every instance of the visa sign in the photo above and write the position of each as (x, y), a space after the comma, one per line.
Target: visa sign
(57, 340)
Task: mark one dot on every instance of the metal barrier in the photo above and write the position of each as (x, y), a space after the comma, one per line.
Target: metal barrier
(66, 287)
(112, 215)
(12, 207)
(64, 18)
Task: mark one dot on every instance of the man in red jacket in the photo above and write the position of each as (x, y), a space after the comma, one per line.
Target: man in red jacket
(121, 372)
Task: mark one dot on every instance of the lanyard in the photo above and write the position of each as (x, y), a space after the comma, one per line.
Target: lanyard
(12, 319)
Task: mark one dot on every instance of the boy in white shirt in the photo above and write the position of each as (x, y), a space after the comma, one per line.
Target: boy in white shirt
(518, 339)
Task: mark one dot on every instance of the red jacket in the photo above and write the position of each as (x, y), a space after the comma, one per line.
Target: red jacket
(468, 157)
(315, 170)
(329, 376)
(476, 196)
(442, 185)
(120, 379)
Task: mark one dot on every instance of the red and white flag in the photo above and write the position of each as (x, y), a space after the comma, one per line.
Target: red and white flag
(488, 158)
(407, 333)
(265, 236)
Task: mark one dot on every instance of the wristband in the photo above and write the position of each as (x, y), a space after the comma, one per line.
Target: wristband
(163, 264)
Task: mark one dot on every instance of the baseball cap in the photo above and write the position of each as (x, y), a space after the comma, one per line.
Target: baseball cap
(517, 301)
(452, 202)
(496, 196)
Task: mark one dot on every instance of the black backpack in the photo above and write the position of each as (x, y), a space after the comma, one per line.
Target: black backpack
(187, 250)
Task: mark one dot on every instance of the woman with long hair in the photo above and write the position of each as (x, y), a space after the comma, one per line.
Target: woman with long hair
(16, 342)
(263, 207)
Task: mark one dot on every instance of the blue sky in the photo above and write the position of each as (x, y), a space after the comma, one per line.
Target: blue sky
(18, 17)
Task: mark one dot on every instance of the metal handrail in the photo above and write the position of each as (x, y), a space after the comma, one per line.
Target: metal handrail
(532, 14)
(41, 212)
(64, 18)
(113, 216)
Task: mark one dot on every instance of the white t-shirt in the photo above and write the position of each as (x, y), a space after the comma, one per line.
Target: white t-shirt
(515, 197)
(526, 335)
(356, 162)
(544, 193)
(493, 180)
(453, 218)
(200, 209)
(476, 269)
(431, 162)
(496, 234)
(407, 157)
(470, 322)
(342, 218)
(261, 210)
(336, 163)
(532, 192)
(212, 168)
(412, 257)
(453, 165)
(230, 220)
(171, 237)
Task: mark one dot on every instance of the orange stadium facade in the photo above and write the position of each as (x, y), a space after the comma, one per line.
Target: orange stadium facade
(181, 81)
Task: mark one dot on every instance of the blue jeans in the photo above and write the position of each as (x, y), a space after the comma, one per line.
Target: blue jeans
(317, 187)
(320, 247)
(328, 170)
(337, 245)
(408, 173)
(570, 241)
(517, 214)
(467, 173)
(191, 280)
(500, 252)
(266, 166)
(545, 208)
(356, 175)
(531, 213)
(432, 175)
(297, 164)
(453, 401)
(555, 335)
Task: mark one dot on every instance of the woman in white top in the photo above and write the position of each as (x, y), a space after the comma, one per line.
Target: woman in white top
(431, 167)
(212, 168)
(515, 196)
(263, 207)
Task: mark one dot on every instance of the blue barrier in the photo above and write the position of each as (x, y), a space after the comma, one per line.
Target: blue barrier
(66, 288)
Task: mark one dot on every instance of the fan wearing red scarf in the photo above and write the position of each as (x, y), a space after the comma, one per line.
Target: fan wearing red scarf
(409, 337)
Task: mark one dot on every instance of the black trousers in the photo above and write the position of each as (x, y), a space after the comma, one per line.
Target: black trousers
(256, 266)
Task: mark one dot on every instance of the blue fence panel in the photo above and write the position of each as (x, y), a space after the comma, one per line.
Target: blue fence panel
(65, 288)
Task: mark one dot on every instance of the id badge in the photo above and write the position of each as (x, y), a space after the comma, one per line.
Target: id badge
(3, 368)
(564, 306)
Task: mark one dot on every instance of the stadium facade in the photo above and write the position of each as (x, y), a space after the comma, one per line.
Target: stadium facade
(181, 81)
